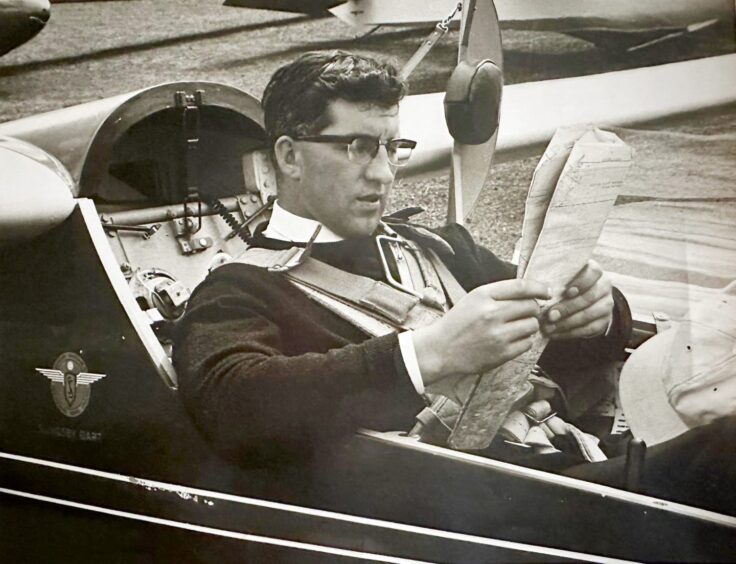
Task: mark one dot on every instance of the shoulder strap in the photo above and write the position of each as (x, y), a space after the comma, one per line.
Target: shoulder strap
(373, 298)
(369, 324)
(453, 288)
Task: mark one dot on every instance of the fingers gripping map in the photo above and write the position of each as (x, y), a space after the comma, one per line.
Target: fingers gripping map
(573, 190)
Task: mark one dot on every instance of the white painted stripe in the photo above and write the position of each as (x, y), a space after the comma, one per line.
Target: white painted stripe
(213, 531)
(184, 491)
(558, 480)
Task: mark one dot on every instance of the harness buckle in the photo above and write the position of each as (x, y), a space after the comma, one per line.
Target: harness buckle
(297, 255)
(430, 295)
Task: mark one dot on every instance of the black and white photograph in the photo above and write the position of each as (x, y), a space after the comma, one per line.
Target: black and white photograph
(405, 281)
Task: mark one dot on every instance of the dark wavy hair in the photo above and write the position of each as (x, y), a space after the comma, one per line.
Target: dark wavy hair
(295, 99)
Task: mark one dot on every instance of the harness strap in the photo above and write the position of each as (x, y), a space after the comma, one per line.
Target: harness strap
(450, 284)
(392, 307)
(379, 309)
(402, 310)
(366, 323)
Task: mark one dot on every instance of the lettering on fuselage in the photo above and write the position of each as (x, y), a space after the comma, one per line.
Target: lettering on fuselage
(71, 434)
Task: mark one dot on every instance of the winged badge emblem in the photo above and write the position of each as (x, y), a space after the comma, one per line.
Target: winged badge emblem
(70, 383)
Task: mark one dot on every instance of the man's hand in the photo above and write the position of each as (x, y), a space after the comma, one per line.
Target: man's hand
(489, 326)
(586, 309)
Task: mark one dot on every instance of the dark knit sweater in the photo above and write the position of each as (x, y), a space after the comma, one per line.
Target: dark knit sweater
(267, 374)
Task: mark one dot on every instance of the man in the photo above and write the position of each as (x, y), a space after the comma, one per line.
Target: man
(270, 375)
(275, 374)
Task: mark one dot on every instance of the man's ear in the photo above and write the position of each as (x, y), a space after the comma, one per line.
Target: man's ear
(287, 157)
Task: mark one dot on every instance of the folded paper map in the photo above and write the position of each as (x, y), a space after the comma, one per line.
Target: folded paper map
(572, 192)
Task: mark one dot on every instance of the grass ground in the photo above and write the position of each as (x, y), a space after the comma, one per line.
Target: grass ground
(95, 50)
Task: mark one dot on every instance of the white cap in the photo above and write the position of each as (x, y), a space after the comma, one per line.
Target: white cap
(684, 377)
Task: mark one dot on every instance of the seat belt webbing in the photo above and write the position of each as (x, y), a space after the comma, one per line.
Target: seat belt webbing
(371, 297)
(453, 288)
(367, 323)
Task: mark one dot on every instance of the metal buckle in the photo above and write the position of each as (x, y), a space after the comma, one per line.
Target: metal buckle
(297, 255)
(387, 271)
(429, 294)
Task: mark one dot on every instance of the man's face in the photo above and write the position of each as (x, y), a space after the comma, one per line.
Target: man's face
(346, 197)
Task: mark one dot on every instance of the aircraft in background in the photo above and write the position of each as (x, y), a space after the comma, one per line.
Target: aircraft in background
(311, 7)
(612, 25)
(102, 238)
(20, 21)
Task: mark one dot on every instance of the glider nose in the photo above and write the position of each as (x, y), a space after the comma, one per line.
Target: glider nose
(21, 20)
(39, 12)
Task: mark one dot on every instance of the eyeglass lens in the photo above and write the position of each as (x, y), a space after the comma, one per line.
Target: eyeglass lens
(364, 149)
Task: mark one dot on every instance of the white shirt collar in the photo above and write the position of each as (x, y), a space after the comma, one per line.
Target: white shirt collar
(286, 226)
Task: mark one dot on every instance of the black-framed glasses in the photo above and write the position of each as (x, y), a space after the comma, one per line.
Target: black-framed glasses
(363, 149)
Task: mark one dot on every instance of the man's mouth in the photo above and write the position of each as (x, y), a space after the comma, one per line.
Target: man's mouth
(370, 198)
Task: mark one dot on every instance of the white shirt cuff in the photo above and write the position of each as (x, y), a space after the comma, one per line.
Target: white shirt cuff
(409, 356)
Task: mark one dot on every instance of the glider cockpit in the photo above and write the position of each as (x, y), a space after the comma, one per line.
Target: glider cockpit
(123, 207)
(180, 191)
(175, 177)
(144, 194)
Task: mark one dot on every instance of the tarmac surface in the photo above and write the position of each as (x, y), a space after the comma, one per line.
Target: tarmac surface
(95, 50)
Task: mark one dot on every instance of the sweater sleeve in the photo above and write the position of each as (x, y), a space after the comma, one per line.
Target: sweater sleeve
(253, 388)
(473, 265)
(561, 355)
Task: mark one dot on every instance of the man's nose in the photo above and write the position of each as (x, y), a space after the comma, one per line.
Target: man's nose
(380, 169)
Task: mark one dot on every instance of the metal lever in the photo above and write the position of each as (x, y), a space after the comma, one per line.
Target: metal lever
(145, 231)
(252, 218)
